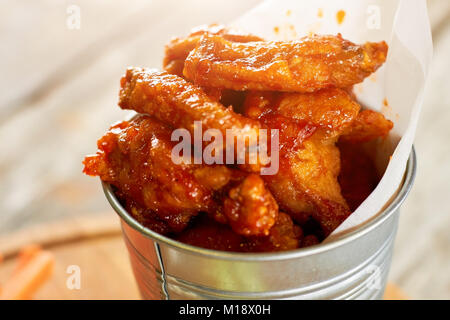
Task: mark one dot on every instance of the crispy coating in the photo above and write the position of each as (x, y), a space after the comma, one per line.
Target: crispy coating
(358, 176)
(238, 84)
(145, 217)
(331, 109)
(368, 125)
(257, 104)
(304, 65)
(250, 208)
(306, 184)
(284, 235)
(175, 101)
(135, 156)
(179, 48)
(209, 234)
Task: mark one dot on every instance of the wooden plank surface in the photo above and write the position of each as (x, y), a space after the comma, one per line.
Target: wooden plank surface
(60, 93)
(94, 245)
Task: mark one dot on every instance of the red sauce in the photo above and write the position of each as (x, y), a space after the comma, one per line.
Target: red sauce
(320, 13)
(340, 16)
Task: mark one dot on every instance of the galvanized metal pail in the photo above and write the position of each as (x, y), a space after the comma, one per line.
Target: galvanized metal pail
(354, 266)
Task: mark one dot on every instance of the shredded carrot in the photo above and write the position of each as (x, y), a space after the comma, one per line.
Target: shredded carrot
(25, 255)
(24, 283)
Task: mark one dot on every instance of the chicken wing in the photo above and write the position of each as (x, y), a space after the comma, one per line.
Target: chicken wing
(367, 126)
(135, 157)
(306, 184)
(304, 65)
(330, 109)
(175, 101)
(179, 48)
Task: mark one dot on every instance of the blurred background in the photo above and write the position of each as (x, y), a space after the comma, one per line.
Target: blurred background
(59, 86)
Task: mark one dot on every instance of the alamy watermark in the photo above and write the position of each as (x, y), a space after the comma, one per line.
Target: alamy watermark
(73, 20)
(374, 17)
(246, 147)
(374, 281)
(73, 281)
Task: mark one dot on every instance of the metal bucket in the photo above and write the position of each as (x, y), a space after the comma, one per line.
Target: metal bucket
(354, 266)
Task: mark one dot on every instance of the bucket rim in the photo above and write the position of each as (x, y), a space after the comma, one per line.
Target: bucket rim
(368, 226)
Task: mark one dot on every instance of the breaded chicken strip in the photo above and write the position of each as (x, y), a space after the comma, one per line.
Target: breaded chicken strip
(367, 126)
(135, 157)
(175, 101)
(304, 65)
(331, 109)
(179, 48)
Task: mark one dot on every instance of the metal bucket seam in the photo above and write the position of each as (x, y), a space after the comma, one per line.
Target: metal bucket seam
(163, 272)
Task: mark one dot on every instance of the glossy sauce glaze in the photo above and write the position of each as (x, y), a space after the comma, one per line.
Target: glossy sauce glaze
(239, 83)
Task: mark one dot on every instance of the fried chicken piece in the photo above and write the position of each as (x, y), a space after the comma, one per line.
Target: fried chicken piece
(368, 125)
(304, 65)
(257, 104)
(358, 176)
(145, 217)
(179, 48)
(250, 208)
(213, 177)
(309, 240)
(284, 235)
(209, 234)
(306, 184)
(175, 101)
(135, 157)
(228, 98)
(331, 109)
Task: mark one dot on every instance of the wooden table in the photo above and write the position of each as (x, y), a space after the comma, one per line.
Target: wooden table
(60, 92)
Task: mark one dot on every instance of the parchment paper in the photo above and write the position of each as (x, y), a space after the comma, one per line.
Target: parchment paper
(396, 89)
